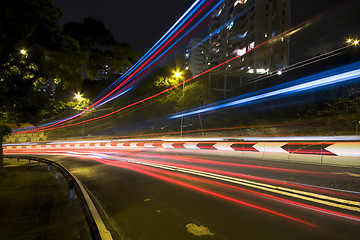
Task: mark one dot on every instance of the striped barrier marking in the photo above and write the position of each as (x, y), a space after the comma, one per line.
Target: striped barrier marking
(308, 148)
(270, 147)
(223, 146)
(209, 146)
(140, 144)
(345, 149)
(158, 144)
(178, 144)
(244, 146)
(191, 145)
(133, 144)
(167, 145)
(148, 145)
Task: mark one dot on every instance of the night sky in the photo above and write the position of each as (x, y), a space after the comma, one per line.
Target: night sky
(143, 22)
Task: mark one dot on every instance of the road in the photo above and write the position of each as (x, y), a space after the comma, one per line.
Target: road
(162, 195)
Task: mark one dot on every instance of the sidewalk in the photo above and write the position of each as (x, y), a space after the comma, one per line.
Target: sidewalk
(36, 205)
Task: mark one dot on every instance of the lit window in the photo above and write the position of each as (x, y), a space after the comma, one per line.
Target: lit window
(239, 2)
(251, 46)
(261, 71)
(239, 52)
(230, 25)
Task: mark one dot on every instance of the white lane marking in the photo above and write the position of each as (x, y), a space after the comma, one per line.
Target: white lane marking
(319, 198)
(347, 173)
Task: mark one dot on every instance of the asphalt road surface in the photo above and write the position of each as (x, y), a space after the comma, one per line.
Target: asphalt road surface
(160, 195)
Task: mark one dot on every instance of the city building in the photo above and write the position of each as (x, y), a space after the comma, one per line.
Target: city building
(246, 31)
(195, 57)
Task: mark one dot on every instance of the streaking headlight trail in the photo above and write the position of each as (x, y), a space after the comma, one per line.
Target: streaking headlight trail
(326, 80)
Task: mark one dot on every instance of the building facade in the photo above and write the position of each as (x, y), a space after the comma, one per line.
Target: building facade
(195, 57)
(248, 33)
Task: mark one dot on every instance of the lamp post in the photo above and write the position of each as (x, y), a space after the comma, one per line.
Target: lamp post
(177, 75)
(79, 98)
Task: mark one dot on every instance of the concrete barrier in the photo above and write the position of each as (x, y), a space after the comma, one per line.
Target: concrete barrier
(343, 153)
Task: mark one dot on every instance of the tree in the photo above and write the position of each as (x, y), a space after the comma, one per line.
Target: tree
(4, 131)
(36, 59)
(106, 55)
(49, 60)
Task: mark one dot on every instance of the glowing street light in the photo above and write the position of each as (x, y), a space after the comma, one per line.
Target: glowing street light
(177, 74)
(78, 96)
(23, 52)
(354, 42)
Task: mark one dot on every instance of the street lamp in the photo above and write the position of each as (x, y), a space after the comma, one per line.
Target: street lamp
(78, 96)
(177, 74)
(354, 42)
(23, 52)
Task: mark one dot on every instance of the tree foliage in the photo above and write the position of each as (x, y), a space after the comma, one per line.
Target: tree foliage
(106, 55)
(50, 59)
(190, 95)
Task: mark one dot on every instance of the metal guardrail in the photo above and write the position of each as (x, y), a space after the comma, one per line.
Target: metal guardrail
(96, 225)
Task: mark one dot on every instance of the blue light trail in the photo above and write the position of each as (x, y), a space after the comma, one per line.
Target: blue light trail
(331, 77)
